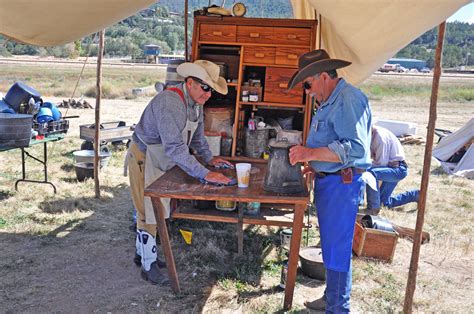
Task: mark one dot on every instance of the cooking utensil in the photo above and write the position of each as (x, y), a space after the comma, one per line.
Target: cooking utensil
(311, 259)
(281, 176)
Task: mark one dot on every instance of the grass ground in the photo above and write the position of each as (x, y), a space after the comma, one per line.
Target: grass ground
(71, 252)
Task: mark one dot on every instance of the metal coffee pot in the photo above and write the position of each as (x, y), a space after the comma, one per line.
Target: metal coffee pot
(281, 176)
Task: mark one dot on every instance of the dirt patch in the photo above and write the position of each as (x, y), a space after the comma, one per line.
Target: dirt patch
(71, 252)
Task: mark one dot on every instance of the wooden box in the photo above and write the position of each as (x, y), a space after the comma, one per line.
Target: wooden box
(374, 243)
(109, 131)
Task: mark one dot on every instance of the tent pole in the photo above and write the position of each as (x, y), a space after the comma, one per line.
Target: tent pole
(186, 30)
(415, 254)
(97, 114)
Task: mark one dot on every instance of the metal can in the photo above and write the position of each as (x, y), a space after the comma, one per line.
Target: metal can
(284, 275)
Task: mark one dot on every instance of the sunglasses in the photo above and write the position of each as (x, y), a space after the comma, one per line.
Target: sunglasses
(307, 85)
(206, 88)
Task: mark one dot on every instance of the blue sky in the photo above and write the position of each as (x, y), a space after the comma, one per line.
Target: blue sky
(465, 14)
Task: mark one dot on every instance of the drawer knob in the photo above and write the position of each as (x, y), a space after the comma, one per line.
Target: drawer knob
(283, 85)
(254, 35)
(291, 36)
(217, 33)
(259, 55)
(292, 56)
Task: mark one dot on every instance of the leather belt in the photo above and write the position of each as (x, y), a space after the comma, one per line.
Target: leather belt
(338, 173)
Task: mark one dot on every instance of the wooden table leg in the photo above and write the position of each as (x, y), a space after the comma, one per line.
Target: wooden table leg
(294, 255)
(165, 245)
(240, 232)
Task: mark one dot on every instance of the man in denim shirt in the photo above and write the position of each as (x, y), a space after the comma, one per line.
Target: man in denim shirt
(338, 149)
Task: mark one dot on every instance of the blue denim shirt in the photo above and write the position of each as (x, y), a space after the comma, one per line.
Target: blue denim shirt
(342, 123)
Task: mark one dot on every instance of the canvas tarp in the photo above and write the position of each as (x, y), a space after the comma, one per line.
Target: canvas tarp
(56, 22)
(366, 32)
(369, 32)
(452, 144)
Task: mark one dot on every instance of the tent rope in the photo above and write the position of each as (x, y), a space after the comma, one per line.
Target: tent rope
(82, 71)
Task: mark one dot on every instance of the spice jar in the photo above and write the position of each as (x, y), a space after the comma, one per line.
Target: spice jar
(245, 95)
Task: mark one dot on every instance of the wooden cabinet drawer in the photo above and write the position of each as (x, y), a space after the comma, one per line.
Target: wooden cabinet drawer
(276, 82)
(292, 36)
(260, 55)
(289, 56)
(217, 33)
(253, 34)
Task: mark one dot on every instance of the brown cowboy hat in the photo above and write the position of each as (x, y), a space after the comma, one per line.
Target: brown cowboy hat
(206, 71)
(314, 62)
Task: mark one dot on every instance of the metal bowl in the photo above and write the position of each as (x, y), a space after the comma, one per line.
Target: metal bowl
(88, 157)
(311, 260)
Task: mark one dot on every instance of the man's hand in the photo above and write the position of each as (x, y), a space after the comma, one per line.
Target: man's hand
(217, 177)
(220, 163)
(300, 153)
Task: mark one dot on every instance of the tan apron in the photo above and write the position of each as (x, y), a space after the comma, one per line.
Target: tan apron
(157, 163)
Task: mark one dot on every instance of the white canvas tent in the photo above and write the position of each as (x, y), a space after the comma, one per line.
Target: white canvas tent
(450, 144)
(366, 32)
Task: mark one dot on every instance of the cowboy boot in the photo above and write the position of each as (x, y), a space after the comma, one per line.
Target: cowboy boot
(137, 259)
(149, 267)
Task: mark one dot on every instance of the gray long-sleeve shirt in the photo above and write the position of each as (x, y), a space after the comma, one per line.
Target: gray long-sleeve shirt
(163, 121)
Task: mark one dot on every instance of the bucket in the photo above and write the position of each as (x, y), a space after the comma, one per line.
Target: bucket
(20, 93)
(255, 142)
(15, 129)
(172, 77)
(226, 205)
(285, 238)
(84, 170)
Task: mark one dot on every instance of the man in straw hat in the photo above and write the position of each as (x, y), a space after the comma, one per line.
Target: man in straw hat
(338, 149)
(169, 127)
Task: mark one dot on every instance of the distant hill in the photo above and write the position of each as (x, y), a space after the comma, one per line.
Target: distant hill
(163, 24)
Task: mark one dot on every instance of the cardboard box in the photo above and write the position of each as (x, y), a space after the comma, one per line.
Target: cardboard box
(374, 243)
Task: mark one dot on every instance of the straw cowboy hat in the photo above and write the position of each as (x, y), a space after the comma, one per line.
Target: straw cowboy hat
(206, 71)
(314, 62)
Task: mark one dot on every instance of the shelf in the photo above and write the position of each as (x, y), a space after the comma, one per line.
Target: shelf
(271, 104)
(268, 216)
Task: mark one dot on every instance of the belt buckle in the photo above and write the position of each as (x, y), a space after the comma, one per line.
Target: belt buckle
(346, 175)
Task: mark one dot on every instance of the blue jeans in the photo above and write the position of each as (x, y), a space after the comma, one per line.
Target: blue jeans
(336, 205)
(390, 178)
(338, 291)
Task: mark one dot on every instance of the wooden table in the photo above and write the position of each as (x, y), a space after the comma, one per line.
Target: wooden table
(177, 184)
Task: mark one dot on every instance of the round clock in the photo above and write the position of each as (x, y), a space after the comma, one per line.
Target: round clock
(239, 9)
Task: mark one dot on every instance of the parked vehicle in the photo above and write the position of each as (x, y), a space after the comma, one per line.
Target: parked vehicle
(425, 70)
(388, 67)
